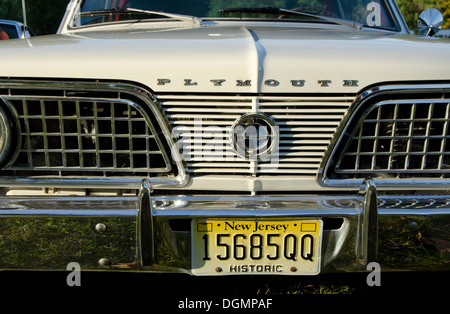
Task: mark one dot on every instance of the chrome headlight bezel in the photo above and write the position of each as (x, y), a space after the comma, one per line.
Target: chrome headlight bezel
(375, 97)
(5, 133)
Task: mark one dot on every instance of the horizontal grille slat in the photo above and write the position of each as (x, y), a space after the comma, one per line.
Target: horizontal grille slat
(301, 116)
(203, 125)
(309, 112)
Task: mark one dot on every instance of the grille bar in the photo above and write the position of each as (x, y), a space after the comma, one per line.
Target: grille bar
(204, 124)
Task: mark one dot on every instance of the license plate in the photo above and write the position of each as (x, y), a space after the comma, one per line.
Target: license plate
(270, 247)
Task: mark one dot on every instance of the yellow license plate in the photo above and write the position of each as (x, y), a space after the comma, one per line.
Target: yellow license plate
(270, 247)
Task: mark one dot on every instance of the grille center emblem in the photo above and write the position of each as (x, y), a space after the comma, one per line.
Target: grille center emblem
(255, 136)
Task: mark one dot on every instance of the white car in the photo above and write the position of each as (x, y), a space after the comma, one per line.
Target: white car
(227, 139)
(12, 29)
(444, 33)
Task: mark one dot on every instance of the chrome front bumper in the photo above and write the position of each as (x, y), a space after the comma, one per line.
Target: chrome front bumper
(147, 233)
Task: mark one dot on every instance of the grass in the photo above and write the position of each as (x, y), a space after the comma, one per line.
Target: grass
(49, 242)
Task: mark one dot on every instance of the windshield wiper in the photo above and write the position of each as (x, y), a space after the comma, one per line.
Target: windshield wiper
(191, 19)
(270, 10)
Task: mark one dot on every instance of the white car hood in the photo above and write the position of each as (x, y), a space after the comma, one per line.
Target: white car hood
(232, 58)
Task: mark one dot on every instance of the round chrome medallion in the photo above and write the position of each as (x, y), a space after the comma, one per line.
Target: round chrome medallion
(255, 136)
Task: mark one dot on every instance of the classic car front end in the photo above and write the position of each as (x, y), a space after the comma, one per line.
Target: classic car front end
(264, 141)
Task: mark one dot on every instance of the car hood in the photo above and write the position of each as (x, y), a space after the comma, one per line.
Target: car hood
(249, 58)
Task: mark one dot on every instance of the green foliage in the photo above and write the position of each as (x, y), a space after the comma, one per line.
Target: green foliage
(445, 9)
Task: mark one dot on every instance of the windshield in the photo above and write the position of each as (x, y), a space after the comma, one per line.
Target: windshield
(370, 13)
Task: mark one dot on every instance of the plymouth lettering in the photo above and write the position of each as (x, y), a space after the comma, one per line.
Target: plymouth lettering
(268, 82)
(350, 83)
(324, 83)
(243, 83)
(272, 82)
(188, 82)
(163, 81)
(298, 83)
(218, 82)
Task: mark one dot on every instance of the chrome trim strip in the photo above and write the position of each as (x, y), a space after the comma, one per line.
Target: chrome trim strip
(78, 182)
(68, 206)
(257, 206)
(367, 251)
(136, 91)
(226, 206)
(6, 132)
(364, 97)
(145, 232)
(398, 17)
(66, 213)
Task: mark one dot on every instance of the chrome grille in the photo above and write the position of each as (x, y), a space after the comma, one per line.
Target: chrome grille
(87, 136)
(203, 124)
(401, 138)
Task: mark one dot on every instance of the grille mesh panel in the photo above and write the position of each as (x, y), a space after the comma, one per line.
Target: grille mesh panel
(74, 136)
(402, 139)
(306, 126)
